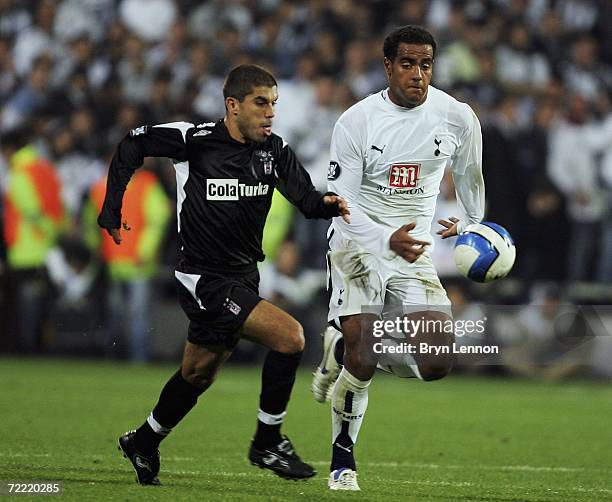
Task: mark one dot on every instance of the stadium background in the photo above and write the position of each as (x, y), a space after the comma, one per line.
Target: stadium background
(75, 76)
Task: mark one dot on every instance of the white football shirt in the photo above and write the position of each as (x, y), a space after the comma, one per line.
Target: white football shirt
(387, 162)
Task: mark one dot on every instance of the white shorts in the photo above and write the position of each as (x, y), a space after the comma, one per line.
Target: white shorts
(363, 283)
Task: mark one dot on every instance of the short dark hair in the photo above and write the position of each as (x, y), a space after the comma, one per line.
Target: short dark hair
(409, 34)
(241, 80)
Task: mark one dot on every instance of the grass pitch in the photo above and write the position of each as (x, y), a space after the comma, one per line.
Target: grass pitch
(456, 439)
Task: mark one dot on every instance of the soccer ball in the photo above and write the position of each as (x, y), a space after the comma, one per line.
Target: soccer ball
(484, 252)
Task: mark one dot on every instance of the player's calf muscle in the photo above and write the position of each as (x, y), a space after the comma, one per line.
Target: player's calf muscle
(201, 381)
(200, 377)
(201, 364)
(359, 366)
(359, 357)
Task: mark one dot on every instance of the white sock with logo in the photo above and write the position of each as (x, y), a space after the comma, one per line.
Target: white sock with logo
(349, 404)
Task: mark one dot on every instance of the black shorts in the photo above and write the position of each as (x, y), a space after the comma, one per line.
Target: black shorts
(216, 304)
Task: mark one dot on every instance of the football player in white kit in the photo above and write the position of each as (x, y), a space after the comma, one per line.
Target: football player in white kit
(388, 156)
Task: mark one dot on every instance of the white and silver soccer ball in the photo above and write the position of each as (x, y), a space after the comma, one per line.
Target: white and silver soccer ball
(484, 252)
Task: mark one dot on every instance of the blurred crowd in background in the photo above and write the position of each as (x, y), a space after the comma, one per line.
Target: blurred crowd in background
(77, 75)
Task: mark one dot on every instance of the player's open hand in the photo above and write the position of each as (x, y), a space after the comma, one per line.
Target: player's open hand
(450, 227)
(405, 245)
(341, 205)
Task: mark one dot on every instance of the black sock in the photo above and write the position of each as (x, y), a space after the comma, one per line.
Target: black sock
(146, 439)
(339, 351)
(176, 400)
(342, 450)
(277, 378)
(266, 435)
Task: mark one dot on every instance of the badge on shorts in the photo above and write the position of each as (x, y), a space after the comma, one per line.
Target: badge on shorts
(232, 306)
(139, 131)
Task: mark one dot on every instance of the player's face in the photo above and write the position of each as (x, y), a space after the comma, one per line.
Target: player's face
(409, 74)
(255, 114)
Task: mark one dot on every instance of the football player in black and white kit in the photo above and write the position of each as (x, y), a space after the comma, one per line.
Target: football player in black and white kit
(226, 173)
(388, 155)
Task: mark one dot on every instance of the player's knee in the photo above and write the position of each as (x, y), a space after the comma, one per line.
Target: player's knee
(359, 365)
(354, 359)
(292, 341)
(435, 370)
(199, 377)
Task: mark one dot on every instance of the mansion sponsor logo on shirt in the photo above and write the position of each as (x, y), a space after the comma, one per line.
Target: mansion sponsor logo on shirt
(403, 179)
(400, 191)
(404, 175)
(230, 189)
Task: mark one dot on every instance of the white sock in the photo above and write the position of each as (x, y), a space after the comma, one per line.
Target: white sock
(157, 427)
(269, 419)
(349, 404)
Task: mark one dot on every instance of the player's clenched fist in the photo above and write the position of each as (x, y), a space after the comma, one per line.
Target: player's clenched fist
(405, 245)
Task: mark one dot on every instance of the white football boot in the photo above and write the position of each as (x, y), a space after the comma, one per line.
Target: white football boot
(343, 479)
(328, 370)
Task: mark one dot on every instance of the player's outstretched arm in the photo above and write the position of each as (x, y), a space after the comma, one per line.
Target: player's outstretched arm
(467, 177)
(295, 184)
(165, 140)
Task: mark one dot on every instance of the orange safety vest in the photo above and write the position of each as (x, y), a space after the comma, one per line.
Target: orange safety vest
(132, 212)
(31, 227)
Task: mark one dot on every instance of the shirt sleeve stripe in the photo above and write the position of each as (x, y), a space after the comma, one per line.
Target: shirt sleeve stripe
(181, 126)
